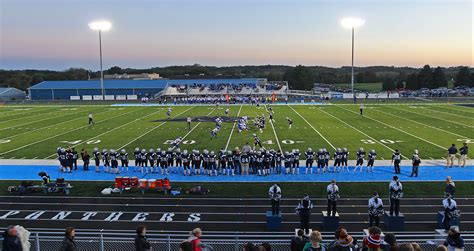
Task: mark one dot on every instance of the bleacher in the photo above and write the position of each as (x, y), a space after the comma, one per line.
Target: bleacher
(266, 88)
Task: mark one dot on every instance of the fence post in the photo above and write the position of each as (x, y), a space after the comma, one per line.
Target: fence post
(236, 244)
(37, 241)
(101, 242)
(168, 242)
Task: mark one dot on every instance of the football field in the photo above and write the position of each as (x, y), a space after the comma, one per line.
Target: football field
(35, 131)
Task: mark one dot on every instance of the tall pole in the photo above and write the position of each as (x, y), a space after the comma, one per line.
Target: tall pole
(352, 72)
(101, 71)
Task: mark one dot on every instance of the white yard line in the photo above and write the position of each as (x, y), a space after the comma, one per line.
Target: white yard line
(54, 136)
(152, 129)
(21, 117)
(362, 132)
(452, 114)
(109, 131)
(233, 127)
(427, 141)
(451, 107)
(190, 131)
(313, 127)
(426, 115)
(20, 125)
(274, 132)
(421, 123)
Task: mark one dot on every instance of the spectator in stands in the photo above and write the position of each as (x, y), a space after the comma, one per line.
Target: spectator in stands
(406, 247)
(195, 239)
(416, 246)
(85, 159)
(441, 248)
(373, 241)
(298, 242)
(11, 242)
(141, 243)
(186, 246)
(390, 243)
(265, 247)
(249, 246)
(343, 242)
(450, 186)
(69, 244)
(315, 242)
(454, 241)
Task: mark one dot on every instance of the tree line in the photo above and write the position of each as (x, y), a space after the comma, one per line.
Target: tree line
(299, 77)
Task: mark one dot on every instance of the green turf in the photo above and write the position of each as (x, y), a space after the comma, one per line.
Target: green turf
(34, 131)
(317, 189)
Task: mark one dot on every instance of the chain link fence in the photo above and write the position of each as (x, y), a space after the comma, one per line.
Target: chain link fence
(104, 242)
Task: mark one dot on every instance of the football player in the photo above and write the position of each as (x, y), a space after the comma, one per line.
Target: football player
(321, 160)
(164, 163)
(371, 159)
(267, 162)
(227, 112)
(136, 155)
(296, 161)
(205, 161)
(179, 160)
(212, 164)
(143, 161)
(256, 141)
(152, 160)
(113, 161)
(62, 159)
(290, 122)
(327, 156)
(106, 160)
(170, 158)
(197, 162)
(309, 160)
(168, 113)
(259, 163)
(214, 133)
(75, 157)
(345, 157)
(124, 160)
(186, 161)
(396, 159)
(97, 158)
(338, 160)
(278, 160)
(236, 161)
(360, 159)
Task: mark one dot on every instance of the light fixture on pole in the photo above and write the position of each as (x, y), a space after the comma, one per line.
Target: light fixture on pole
(352, 23)
(101, 26)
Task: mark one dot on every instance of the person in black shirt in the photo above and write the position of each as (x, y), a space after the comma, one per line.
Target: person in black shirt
(141, 242)
(451, 156)
(463, 151)
(416, 161)
(396, 160)
(74, 156)
(304, 211)
(85, 158)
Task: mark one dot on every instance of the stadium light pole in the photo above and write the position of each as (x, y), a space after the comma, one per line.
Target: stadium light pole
(352, 23)
(101, 26)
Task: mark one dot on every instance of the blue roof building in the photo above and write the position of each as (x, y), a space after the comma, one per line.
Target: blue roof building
(9, 94)
(63, 90)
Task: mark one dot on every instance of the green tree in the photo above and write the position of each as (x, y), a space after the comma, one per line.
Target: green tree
(425, 77)
(20, 81)
(412, 82)
(439, 78)
(463, 77)
(388, 84)
(300, 78)
(115, 70)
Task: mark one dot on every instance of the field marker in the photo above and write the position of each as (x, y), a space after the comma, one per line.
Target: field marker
(28, 116)
(135, 139)
(427, 141)
(233, 127)
(426, 115)
(313, 127)
(54, 136)
(274, 132)
(106, 132)
(365, 134)
(423, 124)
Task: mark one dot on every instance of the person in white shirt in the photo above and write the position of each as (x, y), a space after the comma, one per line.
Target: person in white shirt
(275, 195)
(396, 192)
(189, 122)
(333, 195)
(91, 120)
(375, 210)
(450, 211)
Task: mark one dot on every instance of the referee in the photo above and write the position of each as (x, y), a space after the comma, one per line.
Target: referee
(91, 120)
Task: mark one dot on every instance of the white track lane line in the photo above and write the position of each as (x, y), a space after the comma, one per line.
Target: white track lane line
(420, 123)
(109, 131)
(313, 127)
(152, 129)
(54, 136)
(382, 144)
(233, 127)
(427, 141)
(274, 132)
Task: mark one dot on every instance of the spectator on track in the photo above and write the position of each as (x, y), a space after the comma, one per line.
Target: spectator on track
(298, 242)
(390, 243)
(416, 161)
(11, 242)
(141, 243)
(450, 186)
(454, 241)
(463, 154)
(315, 242)
(69, 244)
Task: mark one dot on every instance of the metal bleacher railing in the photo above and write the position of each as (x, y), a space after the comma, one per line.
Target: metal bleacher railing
(107, 240)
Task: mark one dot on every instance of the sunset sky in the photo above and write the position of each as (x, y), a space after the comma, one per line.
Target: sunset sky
(54, 34)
